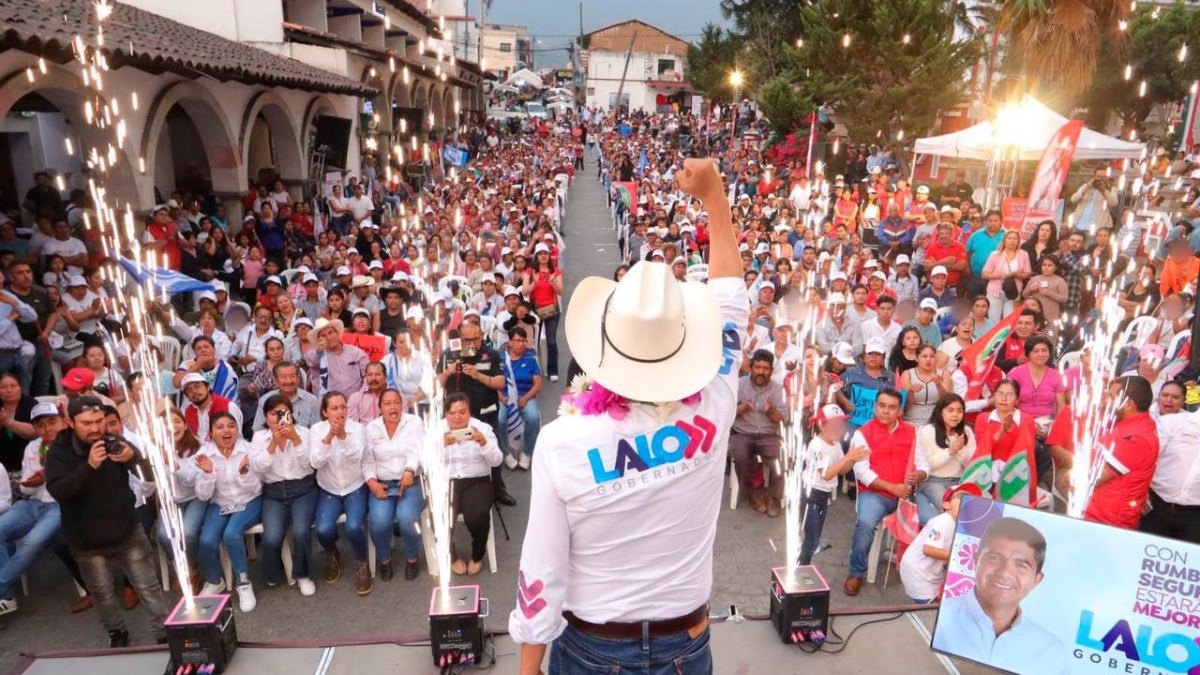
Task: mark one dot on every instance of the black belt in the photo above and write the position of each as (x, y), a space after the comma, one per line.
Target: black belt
(637, 629)
(1164, 505)
(6, 351)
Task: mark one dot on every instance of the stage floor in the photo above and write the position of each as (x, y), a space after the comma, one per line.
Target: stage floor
(744, 648)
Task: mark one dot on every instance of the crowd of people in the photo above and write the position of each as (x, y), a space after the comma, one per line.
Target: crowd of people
(298, 384)
(867, 294)
(300, 390)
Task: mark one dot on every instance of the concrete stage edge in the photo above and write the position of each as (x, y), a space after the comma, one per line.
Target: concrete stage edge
(744, 648)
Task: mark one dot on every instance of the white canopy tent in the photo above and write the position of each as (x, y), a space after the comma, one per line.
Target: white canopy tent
(524, 77)
(1029, 125)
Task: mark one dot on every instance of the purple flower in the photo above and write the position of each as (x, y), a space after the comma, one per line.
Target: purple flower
(600, 401)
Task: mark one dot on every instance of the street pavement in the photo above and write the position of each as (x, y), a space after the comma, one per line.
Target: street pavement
(748, 544)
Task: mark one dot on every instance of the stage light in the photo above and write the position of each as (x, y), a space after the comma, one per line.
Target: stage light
(800, 604)
(455, 626)
(202, 633)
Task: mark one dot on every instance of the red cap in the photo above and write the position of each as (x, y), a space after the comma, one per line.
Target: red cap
(966, 489)
(78, 379)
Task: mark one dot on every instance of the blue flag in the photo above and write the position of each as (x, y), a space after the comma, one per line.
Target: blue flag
(643, 162)
(161, 278)
(454, 156)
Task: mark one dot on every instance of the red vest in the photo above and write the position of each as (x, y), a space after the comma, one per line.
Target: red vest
(191, 414)
(891, 451)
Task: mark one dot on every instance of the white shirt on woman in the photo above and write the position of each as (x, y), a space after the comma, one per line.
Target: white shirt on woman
(387, 457)
(288, 462)
(227, 486)
(468, 459)
(339, 464)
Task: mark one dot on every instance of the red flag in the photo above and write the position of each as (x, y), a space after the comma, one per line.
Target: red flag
(978, 358)
(1051, 176)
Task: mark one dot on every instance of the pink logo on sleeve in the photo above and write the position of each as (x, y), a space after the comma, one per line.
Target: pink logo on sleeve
(528, 597)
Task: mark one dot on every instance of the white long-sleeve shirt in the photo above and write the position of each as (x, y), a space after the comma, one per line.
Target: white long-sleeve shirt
(613, 539)
(31, 463)
(387, 457)
(468, 459)
(250, 343)
(227, 486)
(289, 462)
(339, 464)
(939, 460)
(185, 478)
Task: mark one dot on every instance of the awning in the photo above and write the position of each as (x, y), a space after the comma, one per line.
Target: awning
(669, 84)
(153, 43)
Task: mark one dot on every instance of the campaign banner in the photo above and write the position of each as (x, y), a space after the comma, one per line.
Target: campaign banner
(454, 156)
(1051, 176)
(626, 192)
(863, 400)
(376, 346)
(1012, 211)
(1038, 593)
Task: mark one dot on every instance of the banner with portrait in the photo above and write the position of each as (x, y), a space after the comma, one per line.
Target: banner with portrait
(1051, 176)
(1038, 593)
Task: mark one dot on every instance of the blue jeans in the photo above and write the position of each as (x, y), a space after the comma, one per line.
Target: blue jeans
(576, 653)
(871, 508)
(404, 511)
(193, 519)
(229, 530)
(816, 505)
(288, 505)
(354, 505)
(929, 497)
(36, 524)
(533, 426)
(551, 328)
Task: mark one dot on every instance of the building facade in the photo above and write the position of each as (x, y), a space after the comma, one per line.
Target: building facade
(506, 49)
(224, 89)
(642, 64)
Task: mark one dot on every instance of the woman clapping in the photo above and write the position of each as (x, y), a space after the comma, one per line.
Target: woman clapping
(390, 465)
(336, 451)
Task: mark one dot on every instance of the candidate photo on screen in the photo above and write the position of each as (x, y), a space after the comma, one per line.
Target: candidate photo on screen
(987, 624)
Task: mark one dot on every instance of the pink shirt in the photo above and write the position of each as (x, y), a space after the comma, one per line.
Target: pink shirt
(1037, 400)
(363, 406)
(252, 271)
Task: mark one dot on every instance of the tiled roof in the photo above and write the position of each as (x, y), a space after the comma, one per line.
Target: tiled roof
(147, 41)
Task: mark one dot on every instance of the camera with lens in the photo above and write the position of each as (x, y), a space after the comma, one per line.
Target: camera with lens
(458, 353)
(113, 442)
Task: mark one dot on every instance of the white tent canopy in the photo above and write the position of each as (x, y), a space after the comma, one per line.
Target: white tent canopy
(524, 76)
(1031, 125)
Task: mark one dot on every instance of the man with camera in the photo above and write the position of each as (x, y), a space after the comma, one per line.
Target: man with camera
(472, 368)
(88, 472)
(1093, 203)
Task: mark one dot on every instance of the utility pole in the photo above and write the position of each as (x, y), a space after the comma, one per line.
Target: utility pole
(580, 91)
(625, 70)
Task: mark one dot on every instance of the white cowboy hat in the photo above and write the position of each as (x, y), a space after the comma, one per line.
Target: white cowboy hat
(321, 325)
(647, 337)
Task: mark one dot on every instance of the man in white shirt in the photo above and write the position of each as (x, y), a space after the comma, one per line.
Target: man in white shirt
(1175, 487)
(360, 205)
(250, 347)
(85, 306)
(883, 327)
(592, 578)
(73, 252)
(987, 625)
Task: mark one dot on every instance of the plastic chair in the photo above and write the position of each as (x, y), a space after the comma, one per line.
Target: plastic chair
(1138, 331)
(252, 553)
(1069, 360)
(1177, 342)
(171, 351)
(428, 543)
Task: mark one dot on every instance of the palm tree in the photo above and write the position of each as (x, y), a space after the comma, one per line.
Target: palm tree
(1056, 43)
(971, 16)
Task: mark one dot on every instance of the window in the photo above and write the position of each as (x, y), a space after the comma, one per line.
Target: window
(666, 66)
(506, 47)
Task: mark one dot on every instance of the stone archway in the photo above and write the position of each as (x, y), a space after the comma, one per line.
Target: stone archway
(420, 100)
(269, 138)
(117, 184)
(204, 151)
(449, 116)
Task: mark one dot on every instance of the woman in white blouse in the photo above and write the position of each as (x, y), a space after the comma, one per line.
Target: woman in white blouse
(289, 497)
(234, 493)
(390, 465)
(947, 444)
(470, 453)
(191, 508)
(405, 369)
(336, 446)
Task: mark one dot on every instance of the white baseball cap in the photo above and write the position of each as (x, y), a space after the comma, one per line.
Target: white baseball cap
(946, 208)
(274, 280)
(929, 303)
(923, 190)
(938, 270)
(206, 295)
(871, 263)
(75, 280)
(309, 277)
(511, 290)
(831, 411)
(837, 275)
(878, 275)
(192, 378)
(541, 248)
(903, 259)
(837, 299)
(845, 353)
(375, 265)
(342, 271)
(399, 276)
(874, 346)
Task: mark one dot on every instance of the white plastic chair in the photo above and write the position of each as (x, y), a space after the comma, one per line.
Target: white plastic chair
(428, 543)
(171, 351)
(1069, 360)
(1138, 331)
(1177, 342)
(252, 553)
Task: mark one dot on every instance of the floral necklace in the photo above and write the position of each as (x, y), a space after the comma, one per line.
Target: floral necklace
(585, 397)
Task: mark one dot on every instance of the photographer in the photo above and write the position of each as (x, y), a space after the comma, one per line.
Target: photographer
(474, 370)
(88, 474)
(470, 452)
(1093, 203)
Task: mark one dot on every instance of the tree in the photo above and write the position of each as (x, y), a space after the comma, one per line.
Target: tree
(1153, 54)
(782, 105)
(766, 27)
(710, 61)
(903, 63)
(1056, 44)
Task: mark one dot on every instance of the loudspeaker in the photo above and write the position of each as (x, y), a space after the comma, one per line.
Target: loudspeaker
(334, 134)
(414, 120)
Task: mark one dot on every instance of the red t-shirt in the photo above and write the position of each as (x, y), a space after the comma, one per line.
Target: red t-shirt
(1132, 457)
(935, 251)
(159, 232)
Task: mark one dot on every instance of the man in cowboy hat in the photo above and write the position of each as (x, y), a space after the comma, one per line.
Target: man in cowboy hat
(336, 366)
(618, 559)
